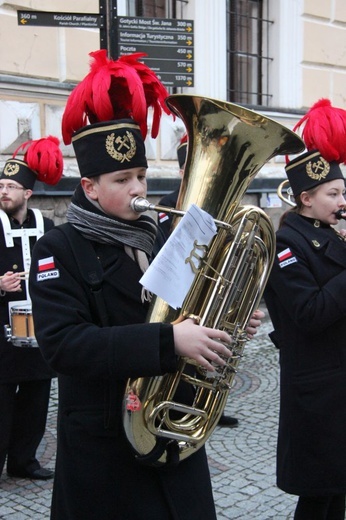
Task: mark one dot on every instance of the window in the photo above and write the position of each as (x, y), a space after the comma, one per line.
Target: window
(156, 8)
(247, 52)
(150, 8)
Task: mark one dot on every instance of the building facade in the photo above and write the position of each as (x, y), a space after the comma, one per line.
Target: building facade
(277, 57)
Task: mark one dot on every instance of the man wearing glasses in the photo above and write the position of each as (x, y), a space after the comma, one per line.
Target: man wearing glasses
(25, 378)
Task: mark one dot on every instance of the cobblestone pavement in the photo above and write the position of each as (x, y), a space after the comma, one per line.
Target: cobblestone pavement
(242, 459)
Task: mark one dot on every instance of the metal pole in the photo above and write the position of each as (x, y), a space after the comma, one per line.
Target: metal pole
(109, 32)
(103, 29)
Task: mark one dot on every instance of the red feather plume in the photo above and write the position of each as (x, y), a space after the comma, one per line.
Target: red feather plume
(44, 157)
(115, 89)
(323, 128)
(154, 91)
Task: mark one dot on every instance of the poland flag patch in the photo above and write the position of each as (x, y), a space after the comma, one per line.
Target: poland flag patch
(45, 264)
(163, 217)
(286, 257)
(46, 269)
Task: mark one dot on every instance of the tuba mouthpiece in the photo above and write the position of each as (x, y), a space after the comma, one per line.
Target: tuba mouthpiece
(140, 204)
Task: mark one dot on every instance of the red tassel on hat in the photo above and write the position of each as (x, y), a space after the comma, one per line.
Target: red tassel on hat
(44, 157)
(115, 89)
(324, 129)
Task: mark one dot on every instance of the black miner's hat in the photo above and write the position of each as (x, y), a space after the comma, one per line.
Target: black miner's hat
(309, 170)
(42, 161)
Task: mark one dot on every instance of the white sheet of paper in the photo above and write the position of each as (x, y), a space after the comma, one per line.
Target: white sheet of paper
(169, 276)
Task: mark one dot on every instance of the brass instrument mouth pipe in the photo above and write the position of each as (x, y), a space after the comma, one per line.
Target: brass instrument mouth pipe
(140, 205)
(341, 214)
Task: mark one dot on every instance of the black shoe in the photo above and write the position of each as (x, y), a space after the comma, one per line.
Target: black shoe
(227, 420)
(37, 474)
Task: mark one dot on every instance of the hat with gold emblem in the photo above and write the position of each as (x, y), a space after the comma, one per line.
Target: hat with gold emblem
(323, 130)
(109, 146)
(106, 114)
(309, 170)
(42, 161)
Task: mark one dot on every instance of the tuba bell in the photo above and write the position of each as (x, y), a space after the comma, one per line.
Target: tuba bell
(227, 146)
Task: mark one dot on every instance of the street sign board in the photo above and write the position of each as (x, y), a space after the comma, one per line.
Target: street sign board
(44, 18)
(168, 43)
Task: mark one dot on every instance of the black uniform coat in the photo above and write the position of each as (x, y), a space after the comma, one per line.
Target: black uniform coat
(306, 302)
(17, 363)
(165, 219)
(97, 476)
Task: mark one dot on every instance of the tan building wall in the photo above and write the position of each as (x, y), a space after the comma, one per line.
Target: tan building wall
(46, 52)
(324, 51)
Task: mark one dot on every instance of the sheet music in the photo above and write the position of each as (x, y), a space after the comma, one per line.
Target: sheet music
(170, 275)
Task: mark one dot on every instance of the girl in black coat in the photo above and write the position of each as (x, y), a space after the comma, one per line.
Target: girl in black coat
(305, 297)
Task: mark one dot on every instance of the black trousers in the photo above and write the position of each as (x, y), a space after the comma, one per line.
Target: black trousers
(320, 508)
(23, 412)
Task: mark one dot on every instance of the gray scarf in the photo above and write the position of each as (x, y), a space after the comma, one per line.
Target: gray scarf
(136, 236)
(106, 230)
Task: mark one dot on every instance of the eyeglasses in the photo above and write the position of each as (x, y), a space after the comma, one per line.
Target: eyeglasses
(10, 187)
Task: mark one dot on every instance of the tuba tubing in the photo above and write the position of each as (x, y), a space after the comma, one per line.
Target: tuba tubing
(227, 146)
(140, 205)
(284, 185)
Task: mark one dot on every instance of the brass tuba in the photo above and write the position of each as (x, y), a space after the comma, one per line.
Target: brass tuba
(227, 146)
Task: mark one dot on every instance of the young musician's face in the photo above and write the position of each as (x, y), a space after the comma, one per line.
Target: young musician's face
(325, 201)
(115, 191)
